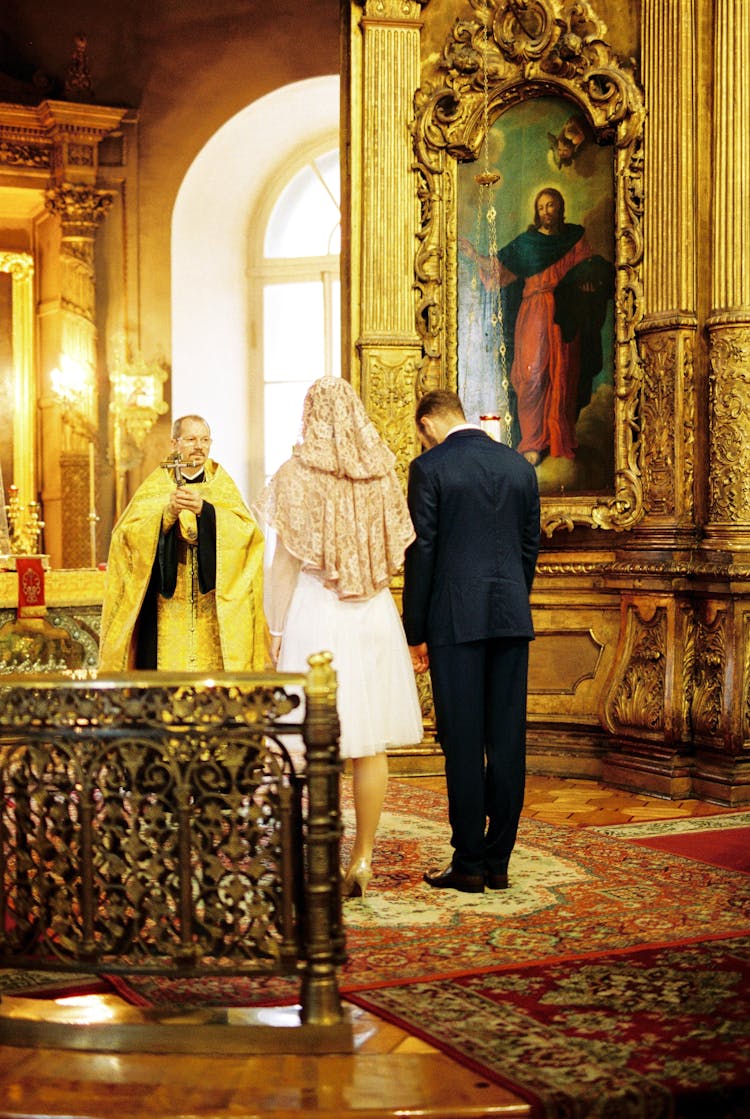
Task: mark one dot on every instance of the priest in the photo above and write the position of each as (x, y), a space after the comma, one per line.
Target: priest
(184, 586)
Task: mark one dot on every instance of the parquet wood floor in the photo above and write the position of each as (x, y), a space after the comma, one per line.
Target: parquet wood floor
(389, 1075)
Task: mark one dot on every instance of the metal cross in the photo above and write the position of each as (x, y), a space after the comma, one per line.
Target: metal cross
(174, 462)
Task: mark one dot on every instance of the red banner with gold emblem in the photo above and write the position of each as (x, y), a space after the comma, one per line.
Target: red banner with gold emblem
(30, 586)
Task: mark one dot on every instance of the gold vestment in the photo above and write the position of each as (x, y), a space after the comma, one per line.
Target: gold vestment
(223, 629)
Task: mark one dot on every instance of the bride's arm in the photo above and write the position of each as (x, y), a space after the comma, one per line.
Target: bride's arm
(281, 579)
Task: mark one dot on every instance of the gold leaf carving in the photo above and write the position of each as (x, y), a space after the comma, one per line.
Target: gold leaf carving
(639, 699)
(695, 567)
(81, 155)
(705, 658)
(668, 417)
(687, 474)
(81, 206)
(20, 265)
(729, 388)
(390, 400)
(658, 423)
(393, 9)
(25, 155)
(688, 668)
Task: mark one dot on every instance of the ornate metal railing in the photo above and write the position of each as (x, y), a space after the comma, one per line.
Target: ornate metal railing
(158, 823)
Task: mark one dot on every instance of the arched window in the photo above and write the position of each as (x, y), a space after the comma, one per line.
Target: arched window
(301, 313)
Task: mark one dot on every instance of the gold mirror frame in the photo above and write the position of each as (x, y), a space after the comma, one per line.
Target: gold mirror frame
(512, 51)
(21, 268)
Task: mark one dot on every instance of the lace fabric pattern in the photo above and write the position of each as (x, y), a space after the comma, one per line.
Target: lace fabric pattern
(337, 504)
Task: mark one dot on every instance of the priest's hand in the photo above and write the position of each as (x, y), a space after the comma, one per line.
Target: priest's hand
(185, 497)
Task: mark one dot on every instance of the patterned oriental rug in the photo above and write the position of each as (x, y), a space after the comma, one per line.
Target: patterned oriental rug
(658, 1033)
(575, 893)
(50, 984)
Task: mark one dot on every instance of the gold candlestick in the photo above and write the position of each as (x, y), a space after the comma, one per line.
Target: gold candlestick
(93, 518)
(24, 525)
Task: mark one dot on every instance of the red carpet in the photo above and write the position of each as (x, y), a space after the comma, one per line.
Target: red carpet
(575, 892)
(650, 1034)
(729, 847)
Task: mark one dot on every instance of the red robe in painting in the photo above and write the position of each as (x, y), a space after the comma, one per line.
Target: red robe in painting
(555, 298)
(546, 368)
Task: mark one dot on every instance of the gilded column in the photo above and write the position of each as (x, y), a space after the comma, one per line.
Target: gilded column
(729, 321)
(720, 640)
(81, 209)
(667, 333)
(384, 77)
(76, 198)
(643, 708)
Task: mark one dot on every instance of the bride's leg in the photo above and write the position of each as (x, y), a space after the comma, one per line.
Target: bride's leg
(369, 783)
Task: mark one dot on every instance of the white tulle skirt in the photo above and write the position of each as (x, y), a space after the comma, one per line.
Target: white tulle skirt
(377, 696)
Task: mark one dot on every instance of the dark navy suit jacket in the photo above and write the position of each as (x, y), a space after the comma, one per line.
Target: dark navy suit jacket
(474, 503)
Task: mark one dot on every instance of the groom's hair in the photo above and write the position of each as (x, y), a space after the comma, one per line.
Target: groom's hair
(439, 402)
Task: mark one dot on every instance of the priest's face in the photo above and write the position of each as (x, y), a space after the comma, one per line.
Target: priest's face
(193, 443)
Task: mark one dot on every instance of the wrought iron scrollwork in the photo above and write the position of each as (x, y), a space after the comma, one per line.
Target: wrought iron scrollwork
(153, 825)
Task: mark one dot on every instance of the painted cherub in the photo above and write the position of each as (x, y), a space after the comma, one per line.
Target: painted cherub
(568, 142)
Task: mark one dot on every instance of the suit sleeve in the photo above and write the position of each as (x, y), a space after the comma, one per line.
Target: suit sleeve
(531, 535)
(419, 561)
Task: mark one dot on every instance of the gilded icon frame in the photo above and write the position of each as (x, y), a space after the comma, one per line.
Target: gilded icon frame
(509, 53)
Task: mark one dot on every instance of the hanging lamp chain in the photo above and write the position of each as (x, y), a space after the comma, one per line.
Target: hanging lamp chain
(488, 180)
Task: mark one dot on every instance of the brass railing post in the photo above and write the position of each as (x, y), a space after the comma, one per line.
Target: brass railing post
(323, 934)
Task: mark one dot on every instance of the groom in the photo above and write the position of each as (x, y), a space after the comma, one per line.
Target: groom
(467, 579)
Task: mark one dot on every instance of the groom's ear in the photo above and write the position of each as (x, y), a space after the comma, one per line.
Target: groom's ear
(426, 432)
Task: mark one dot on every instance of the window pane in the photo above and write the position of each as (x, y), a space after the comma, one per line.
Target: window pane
(329, 169)
(305, 218)
(283, 420)
(301, 318)
(334, 241)
(293, 332)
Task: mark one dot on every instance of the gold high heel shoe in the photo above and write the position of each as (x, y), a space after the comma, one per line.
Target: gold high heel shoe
(356, 880)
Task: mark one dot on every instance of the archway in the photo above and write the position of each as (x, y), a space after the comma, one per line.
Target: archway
(212, 352)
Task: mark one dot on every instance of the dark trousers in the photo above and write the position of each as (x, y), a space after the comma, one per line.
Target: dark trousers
(479, 690)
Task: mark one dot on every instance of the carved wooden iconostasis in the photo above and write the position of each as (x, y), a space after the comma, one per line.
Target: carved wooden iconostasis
(459, 115)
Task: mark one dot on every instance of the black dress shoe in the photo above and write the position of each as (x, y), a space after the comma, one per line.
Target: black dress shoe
(450, 879)
(496, 881)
